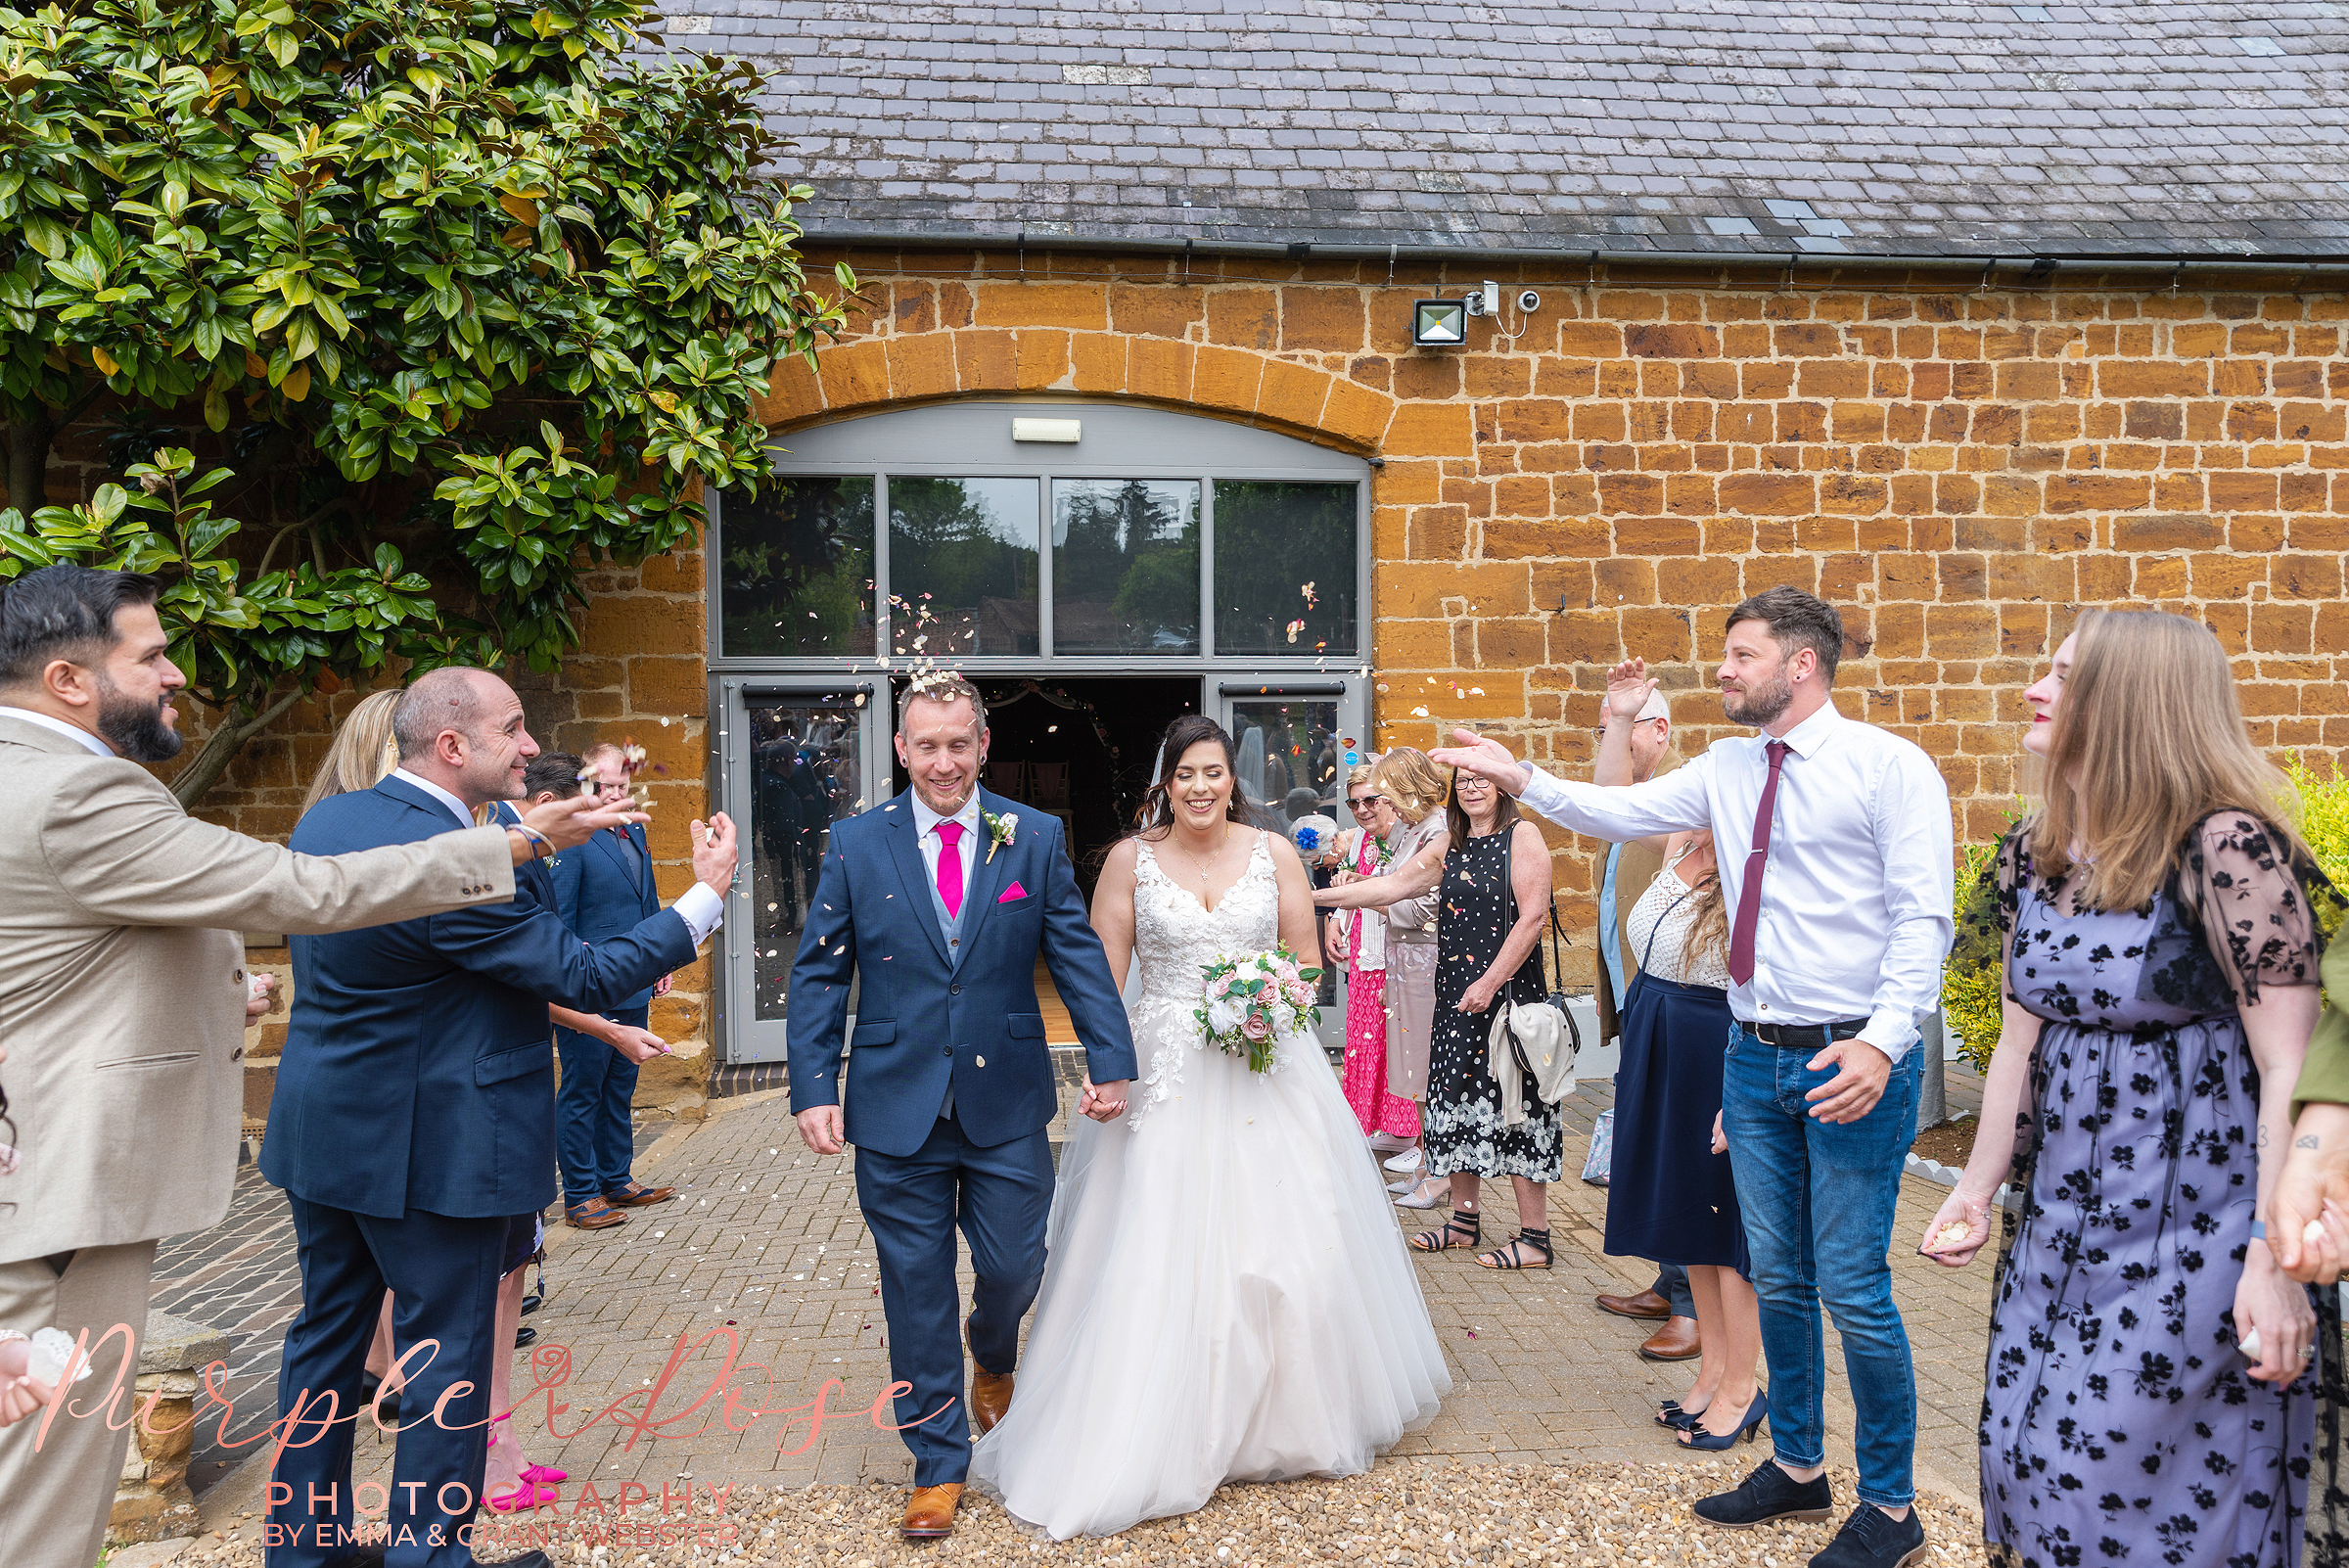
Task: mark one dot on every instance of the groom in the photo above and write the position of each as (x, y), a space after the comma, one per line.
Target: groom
(940, 902)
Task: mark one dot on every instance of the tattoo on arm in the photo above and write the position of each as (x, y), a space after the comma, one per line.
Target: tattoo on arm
(2309, 1142)
(2262, 1138)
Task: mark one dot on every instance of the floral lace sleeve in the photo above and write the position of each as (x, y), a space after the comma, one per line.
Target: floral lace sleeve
(1986, 909)
(2256, 902)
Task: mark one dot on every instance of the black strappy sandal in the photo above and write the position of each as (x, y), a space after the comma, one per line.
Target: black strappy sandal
(1508, 1257)
(1460, 1231)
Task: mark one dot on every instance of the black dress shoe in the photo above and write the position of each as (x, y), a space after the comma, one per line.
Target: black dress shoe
(526, 1336)
(1872, 1539)
(529, 1304)
(1769, 1492)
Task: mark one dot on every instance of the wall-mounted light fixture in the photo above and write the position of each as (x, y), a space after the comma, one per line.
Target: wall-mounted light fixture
(1438, 323)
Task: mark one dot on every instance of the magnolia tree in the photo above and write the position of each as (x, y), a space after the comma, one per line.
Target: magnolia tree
(461, 267)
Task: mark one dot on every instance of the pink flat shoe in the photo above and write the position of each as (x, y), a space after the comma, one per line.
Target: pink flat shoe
(543, 1473)
(524, 1498)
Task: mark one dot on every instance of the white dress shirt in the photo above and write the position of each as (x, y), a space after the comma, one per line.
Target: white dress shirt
(925, 826)
(1856, 897)
(701, 909)
(71, 731)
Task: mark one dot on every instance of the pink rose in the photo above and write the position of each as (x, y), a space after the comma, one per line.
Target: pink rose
(1301, 994)
(1258, 1027)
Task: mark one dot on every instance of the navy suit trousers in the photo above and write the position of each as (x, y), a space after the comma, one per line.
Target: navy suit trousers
(1001, 1197)
(594, 1140)
(443, 1277)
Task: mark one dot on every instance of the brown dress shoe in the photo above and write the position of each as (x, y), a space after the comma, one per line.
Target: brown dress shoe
(1675, 1341)
(635, 1195)
(930, 1512)
(593, 1215)
(1647, 1303)
(991, 1397)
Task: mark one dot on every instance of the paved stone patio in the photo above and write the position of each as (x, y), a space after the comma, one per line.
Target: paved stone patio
(764, 1246)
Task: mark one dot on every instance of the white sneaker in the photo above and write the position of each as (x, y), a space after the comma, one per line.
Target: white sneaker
(1406, 1162)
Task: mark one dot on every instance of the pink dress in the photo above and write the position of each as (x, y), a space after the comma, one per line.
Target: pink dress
(1366, 1080)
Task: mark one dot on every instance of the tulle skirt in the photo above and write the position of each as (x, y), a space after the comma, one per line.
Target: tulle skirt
(1226, 1299)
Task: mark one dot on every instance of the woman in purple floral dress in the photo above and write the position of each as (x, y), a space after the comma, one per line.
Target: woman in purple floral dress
(2152, 1395)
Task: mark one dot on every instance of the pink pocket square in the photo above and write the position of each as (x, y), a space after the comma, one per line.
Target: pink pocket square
(1015, 890)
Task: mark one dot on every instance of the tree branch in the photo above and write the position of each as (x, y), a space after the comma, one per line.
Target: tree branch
(220, 748)
(277, 539)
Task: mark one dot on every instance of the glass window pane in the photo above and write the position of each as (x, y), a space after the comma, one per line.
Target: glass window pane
(796, 573)
(962, 567)
(1288, 753)
(804, 778)
(1286, 569)
(1288, 761)
(1126, 566)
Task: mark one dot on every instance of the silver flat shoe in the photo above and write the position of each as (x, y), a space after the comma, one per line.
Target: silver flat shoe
(1434, 1190)
(1407, 1161)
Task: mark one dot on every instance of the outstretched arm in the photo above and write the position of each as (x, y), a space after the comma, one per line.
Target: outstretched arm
(1414, 878)
(1675, 802)
(1627, 690)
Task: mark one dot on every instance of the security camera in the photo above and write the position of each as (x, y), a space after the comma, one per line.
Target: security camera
(1529, 301)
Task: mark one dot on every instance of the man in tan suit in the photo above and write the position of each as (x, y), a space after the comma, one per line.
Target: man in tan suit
(1625, 872)
(122, 997)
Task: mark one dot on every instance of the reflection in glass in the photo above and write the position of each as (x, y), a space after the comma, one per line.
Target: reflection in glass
(1288, 765)
(1288, 754)
(804, 778)
(796, 574)
(1286, 569)
(962, 567)
(1126, 567)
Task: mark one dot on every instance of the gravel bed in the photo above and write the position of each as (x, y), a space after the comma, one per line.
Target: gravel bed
(1416, 1512)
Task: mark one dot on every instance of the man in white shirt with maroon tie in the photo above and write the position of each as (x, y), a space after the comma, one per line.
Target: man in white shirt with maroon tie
(1833, 839)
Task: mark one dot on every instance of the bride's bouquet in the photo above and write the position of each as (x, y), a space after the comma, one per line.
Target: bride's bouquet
(1260, 1004)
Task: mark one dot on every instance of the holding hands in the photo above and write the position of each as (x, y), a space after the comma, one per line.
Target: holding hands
(1103, 1102)
(2309, 1231)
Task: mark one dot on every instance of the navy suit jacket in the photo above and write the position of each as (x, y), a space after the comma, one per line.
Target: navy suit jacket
(419, 1068)
(598, 896)
(927, 1016)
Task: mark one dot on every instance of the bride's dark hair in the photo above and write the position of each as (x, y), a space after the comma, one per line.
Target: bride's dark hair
(1156, 814)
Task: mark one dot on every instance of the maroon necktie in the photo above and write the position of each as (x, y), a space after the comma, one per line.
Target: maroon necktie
(949, 868)
(1749, 897)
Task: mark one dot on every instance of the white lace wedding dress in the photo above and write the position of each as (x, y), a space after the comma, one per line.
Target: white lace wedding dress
(1226, 1297)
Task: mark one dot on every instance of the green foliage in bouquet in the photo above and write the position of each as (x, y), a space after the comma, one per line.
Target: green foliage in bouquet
(368, 244)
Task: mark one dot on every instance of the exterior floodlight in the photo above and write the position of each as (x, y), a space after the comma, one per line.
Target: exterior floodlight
(1438, 323)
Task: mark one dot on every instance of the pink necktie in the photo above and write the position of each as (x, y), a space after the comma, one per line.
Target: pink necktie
(949, 868)
(1749, 896)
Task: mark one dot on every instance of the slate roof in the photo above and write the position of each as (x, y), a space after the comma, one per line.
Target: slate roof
(1891, 127)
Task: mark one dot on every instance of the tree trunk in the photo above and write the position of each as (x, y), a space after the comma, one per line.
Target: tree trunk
(29, 429)
(220, 748)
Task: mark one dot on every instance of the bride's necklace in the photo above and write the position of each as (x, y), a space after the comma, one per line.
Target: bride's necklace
(1207, 871)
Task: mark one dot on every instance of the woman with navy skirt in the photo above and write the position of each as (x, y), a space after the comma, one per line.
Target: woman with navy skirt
(1670, 1196)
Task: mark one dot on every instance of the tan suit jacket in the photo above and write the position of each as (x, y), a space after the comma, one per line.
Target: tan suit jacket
(122, 982)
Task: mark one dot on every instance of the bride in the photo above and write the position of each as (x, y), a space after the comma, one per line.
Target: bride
(1226, 1297)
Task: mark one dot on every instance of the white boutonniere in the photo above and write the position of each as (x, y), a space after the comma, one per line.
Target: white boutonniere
(1000, 830)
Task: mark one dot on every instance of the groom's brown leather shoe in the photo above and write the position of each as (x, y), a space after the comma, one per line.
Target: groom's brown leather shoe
(991, 1397)
(930, 1512)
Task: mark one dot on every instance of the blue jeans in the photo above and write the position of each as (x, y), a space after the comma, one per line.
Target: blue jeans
(594, 1141)
(1818, 1203)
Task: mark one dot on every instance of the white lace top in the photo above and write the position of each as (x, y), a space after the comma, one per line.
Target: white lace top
(1663, 916)
(1176, 936)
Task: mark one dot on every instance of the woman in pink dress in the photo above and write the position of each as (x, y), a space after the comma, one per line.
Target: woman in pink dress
(1360, 936)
